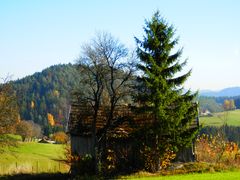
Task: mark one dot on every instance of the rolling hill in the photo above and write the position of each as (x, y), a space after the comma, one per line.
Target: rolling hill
(227, 92)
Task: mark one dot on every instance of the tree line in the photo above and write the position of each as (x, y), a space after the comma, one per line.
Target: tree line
(218, 104)
(10, 122)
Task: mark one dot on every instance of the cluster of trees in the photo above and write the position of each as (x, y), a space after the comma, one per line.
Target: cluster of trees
(235, 99)
(210, 104)
(219, 104)
(229, 105)
(110, 78)
(28, 130)
(9, 116)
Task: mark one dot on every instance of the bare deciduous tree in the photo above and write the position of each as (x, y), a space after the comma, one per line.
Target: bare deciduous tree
(107, 74)
(28, 130)
(24, 129)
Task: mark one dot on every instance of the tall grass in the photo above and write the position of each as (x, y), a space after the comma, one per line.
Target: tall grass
(204, 176)
(33, 167)
(33, 158)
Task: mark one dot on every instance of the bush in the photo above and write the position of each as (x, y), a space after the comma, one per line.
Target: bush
(60, 137)
(215, 149)
(153, 160)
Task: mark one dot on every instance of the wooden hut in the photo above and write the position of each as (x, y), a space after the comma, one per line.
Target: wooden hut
(80, 125)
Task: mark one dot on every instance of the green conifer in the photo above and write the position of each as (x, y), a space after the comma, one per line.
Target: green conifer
(161, 93)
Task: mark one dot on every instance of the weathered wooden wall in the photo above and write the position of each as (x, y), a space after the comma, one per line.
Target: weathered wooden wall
(82, 145)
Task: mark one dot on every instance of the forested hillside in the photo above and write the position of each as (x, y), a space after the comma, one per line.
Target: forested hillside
(44, 97)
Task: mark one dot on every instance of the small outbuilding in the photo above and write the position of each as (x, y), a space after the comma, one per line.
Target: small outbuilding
(121, 141)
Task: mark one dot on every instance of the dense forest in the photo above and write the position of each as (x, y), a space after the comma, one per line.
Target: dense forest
(44, 97)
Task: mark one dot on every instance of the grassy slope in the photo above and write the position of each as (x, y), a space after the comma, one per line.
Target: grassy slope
(204, 176)
(233, 118)
(33, 157)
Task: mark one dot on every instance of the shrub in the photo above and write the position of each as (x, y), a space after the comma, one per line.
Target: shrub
(214, 149)
(8, 140)
(153, 162)
(60, 137)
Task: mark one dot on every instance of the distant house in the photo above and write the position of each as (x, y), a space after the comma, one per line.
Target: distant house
(80, 124)
(46, 140)
(205, 112)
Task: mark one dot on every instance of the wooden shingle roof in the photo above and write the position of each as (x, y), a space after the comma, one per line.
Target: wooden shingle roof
(80, 120)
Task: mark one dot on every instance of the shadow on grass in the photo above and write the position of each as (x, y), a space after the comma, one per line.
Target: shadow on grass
(55, 176)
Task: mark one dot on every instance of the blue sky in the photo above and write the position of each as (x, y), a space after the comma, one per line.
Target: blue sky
(35, 34)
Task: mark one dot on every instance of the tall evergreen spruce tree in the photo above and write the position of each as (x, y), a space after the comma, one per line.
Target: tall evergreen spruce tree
(160, 92)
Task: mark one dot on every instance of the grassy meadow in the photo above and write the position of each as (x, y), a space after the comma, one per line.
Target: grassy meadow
(231, 118)
(33, 157)
(36, 158)
(204, 176)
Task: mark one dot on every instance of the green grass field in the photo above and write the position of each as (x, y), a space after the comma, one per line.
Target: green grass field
(230, 118)
(33, 157)
(204, 176)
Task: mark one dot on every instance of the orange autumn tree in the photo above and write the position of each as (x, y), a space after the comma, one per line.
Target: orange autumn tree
(60, 137)
(50, 119)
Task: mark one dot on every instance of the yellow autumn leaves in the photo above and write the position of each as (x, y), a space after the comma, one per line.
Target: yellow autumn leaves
(51, 120)
(50, 117)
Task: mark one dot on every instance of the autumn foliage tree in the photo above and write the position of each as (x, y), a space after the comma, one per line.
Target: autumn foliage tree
(50, 119)
(60, 137)
(229, 105)
(8, 108)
